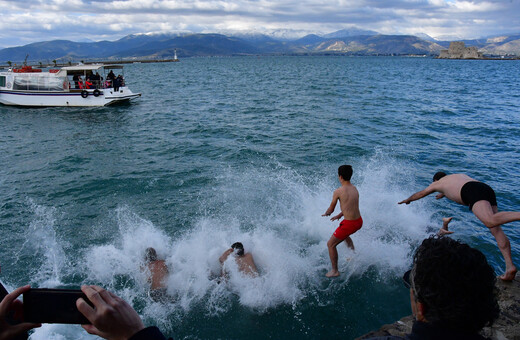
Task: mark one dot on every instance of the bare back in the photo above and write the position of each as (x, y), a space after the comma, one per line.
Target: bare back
(450, 186)
(348, 196)
(246, 264)
(158, 274)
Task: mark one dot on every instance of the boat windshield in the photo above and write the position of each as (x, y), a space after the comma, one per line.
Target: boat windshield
(40, 82)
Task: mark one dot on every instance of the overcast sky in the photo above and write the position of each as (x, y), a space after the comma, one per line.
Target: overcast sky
(27, 21)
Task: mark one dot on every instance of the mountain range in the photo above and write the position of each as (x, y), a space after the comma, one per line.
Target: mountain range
(164, 46)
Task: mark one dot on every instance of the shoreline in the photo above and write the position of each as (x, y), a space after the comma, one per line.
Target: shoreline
(324, 54)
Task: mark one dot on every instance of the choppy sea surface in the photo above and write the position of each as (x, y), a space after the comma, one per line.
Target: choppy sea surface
(219, 150)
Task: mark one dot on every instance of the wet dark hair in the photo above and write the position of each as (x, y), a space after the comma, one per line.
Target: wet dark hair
(438, 175)
(456, 285)
(345, 171)
(239, 247)
(150, 255)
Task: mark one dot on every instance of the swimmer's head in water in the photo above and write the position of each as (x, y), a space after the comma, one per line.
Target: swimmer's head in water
(150, 255)
(239, 248)
(345, 171)
(438, 175)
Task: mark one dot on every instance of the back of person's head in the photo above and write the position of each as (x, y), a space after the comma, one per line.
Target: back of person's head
(438, 175)
(239, 248)
(150, 255)
(455, 284)
(345, 171)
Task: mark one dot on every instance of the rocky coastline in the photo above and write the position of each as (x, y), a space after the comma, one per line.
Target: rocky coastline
(506, 327)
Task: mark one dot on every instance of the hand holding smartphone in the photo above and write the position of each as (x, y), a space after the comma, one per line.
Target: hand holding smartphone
(43, 305)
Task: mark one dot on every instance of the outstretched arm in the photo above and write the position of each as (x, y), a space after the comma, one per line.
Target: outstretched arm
(332, 206)
(420, 194)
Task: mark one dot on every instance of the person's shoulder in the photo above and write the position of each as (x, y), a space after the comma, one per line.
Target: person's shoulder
(350, 188)
(248, 257)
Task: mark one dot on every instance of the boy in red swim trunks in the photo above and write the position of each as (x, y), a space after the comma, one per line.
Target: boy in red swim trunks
(348, 197)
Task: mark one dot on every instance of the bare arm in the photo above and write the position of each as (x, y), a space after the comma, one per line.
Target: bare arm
(420, 194)
(335, 198)
(337, 217)
(225, 255)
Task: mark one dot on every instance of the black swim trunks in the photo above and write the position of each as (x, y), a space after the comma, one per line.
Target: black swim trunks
(472, 192)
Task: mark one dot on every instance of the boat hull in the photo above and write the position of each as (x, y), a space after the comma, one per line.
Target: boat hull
(67, 98)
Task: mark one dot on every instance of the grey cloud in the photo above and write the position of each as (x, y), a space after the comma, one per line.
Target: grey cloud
(433, 17)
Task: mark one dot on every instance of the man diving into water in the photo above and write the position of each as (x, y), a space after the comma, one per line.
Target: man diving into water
(481, 199)
(348, 197)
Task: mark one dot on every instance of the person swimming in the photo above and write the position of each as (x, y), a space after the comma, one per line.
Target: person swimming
(158, 275)
(245, 261)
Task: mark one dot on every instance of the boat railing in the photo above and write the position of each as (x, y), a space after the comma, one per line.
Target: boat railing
(95, 84)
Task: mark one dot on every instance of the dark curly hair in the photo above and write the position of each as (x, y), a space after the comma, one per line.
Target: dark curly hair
(456, 285)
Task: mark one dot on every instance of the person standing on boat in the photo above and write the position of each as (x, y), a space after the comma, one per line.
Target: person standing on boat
(118, 82)
(75, 78)
(96, 79)
(111, 77)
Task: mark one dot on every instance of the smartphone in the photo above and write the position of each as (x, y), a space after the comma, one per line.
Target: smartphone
(45, 305)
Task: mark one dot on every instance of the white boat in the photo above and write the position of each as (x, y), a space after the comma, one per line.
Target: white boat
(68, 86)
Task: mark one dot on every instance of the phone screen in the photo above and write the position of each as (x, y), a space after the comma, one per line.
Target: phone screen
(43, 305)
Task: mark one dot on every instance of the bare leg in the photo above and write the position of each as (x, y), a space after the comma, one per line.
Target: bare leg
(349, 243)
(505, 249)
(444, 230)
(486, 213)
(490, 216)
(333, 254)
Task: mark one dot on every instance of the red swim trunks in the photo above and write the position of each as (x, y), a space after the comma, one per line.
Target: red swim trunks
(347, 228)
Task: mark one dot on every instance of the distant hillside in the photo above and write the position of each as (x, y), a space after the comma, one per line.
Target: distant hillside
(353, 32)
(163, 46)
(502, 45)
(188, 46)
(379, 44)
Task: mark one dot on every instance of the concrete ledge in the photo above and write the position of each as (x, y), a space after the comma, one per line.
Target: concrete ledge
(506, 327)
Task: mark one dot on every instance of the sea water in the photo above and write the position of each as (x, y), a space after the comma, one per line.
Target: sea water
(220, 150)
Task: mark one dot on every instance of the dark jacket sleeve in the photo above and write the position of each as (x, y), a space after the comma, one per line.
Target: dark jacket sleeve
(149, 333)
